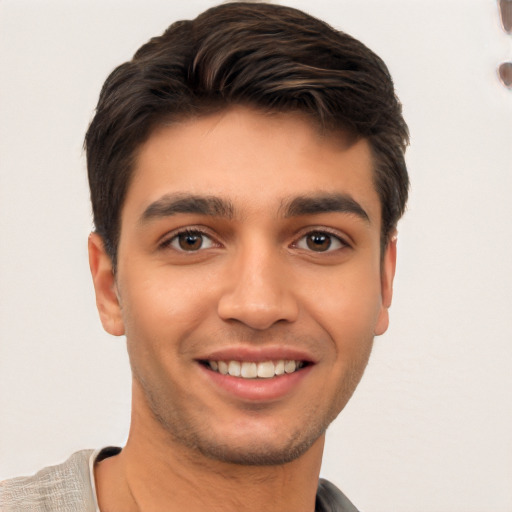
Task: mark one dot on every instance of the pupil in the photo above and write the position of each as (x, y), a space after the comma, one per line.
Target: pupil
(319, 242)
(190, 242)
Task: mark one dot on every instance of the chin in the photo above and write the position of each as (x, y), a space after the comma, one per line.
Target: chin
(253, 453)
(251, 443)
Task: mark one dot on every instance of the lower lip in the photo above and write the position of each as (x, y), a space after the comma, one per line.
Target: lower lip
(258, 390)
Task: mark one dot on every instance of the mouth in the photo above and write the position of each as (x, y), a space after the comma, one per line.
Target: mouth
(255, 369)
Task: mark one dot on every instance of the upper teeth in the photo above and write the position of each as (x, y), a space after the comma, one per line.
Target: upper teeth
(253, 370)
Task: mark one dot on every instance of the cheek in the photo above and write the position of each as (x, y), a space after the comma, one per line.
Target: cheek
(347, 305)
(349, 291)
(164, 305)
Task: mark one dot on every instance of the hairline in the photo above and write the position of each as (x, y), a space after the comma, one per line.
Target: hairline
(184, 117)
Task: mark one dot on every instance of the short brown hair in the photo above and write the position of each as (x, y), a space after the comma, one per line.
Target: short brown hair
(271, 57)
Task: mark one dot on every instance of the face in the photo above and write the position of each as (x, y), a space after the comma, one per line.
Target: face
(250, 283)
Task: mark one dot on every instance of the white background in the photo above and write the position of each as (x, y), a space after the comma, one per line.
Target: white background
(430, 428)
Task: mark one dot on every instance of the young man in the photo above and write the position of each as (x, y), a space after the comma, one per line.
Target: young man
(247, 174)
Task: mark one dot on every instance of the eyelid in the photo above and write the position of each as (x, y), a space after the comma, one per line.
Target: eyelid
(343, 239)
(166, 240)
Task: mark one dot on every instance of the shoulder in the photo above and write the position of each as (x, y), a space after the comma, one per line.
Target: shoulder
(330, 499)
(65, 487)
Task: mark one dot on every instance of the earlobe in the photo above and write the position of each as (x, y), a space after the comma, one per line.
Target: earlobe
(103, 279)
(387, 277)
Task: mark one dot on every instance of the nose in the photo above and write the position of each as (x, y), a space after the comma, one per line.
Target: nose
(258, 291)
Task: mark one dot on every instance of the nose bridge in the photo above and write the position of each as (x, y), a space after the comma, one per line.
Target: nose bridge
(258, 291)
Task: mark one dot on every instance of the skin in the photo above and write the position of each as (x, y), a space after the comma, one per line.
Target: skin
(254, 289)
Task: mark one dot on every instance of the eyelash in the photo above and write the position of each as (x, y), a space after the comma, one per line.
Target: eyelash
(192, 232)
(333, 238)
(339, 242)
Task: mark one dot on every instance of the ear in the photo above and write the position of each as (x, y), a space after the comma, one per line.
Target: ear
(105, 286)
(387, 274)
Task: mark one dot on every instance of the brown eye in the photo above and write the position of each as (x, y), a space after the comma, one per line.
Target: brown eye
(318, 241)
(190, 241)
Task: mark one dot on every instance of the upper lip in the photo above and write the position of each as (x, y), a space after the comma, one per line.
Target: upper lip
(258, 354)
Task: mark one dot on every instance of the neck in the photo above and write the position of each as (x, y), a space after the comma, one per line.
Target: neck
(155, 473)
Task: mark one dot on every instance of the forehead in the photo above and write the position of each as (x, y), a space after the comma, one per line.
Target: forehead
(253, 160)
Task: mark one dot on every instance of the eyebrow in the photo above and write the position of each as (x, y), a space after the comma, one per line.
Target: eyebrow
(324, 203)
(172, 204)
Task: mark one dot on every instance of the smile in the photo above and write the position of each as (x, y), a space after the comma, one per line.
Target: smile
(255, 370)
